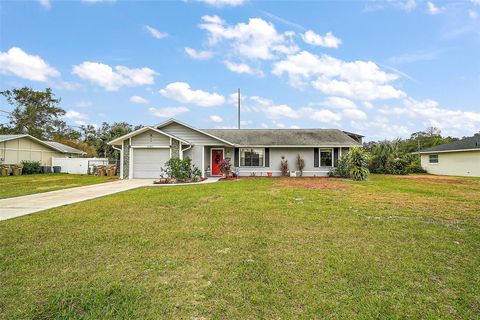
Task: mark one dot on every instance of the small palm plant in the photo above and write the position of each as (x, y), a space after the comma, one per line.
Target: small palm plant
(358, 162)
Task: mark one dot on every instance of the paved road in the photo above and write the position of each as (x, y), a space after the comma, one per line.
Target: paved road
(20, 206)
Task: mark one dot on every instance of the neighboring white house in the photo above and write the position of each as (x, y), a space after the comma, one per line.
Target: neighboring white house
(252, 151)
(457, 158)
(15, 148)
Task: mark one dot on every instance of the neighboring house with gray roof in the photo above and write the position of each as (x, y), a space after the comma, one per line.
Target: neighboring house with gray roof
(456, 158)
(15, 148)
(251, 151)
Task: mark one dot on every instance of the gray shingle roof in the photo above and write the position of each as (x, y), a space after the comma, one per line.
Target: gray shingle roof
(284, 137)
(463, 144)
(55, 145)
(62, 147)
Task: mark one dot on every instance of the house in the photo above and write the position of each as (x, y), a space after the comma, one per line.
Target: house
(15, 148)
(457, 158)
(252, 151)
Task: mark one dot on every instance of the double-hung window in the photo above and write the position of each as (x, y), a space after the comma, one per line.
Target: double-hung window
(433, 158)
(326, 158)
(252, 157)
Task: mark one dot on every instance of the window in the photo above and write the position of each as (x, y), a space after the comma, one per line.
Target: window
(251, 157)
(433, 158)
(325, 157)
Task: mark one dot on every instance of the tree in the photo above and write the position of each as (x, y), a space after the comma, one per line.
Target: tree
(35, 112)
(107, 133)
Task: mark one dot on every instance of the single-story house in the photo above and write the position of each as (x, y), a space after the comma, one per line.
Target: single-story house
(252, 151)
(457, 158)
(15, 148)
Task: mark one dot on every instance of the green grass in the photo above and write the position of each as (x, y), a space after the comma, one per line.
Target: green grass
(387, 248)
(14, 186)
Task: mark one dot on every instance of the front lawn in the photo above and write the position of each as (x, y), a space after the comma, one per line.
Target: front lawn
(388, 248)
(14, 186)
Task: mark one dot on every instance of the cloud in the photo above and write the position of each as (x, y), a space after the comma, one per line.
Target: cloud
(17, 62)
(256, 39)
(339, 102)
(138, 99)
(413, 57)
(355, 114)
(84, 104)
(274, 111)
(199, 55)
(360, 80)
(476, 2)
(181, 91)
(472, 14)
(167, 112)
(75, 115)
(322, 115)
(433, 9)
(156, 33)
(45, 3)
(215, 118)
(113, 79)
(242, 68)
(222, 3)
(97, 1)
(329, 40)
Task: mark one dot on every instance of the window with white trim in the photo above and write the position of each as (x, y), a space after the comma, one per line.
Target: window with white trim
(433, 158)
(326, 157)
(252, 157)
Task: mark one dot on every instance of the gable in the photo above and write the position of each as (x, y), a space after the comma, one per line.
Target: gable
(150, 138)
(191, 135)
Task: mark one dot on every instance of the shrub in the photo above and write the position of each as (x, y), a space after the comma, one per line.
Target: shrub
(181, 169)
(31, 167)
(226, 167)
(343, 168)
(300, 164)
(358, 162)
(284, 166)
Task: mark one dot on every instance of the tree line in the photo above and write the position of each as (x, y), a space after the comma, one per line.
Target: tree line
(39, 114)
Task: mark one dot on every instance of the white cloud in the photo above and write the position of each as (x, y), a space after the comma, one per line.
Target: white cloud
(362, 80)
(155, 32)
(96, 1)
(274, 111)
(329, 40)
(215, 118)
(138, 99)
(75, 115)
(199, 55)
(339, 102)
(181, 91)
(355, 114)
(257, 39)
(476, 2)
(472, 14)
(167, 112)
(45, 3)
(242, 68)
(322, 115)
(18, 62)
(113, 79)
(84, 104)
(222, 3)
(433, 9)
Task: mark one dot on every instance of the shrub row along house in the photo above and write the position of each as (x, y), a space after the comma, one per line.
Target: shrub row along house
(252, 151)
(457, 158)
(15, 148)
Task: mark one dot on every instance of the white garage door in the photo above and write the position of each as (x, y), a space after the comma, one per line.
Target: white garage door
(147, 162)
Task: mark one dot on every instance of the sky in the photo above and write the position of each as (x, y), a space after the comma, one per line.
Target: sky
(384, 69)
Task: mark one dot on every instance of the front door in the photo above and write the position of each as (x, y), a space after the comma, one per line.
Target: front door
(217, 157)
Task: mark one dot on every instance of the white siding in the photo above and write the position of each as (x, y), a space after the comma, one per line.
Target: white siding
(465, 163)
(195, 153)
(190, 135)
(150, 138)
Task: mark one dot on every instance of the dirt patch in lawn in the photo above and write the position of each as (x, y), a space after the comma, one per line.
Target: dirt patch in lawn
(313, 184)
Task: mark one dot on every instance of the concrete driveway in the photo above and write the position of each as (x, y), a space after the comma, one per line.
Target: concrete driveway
(23, 205)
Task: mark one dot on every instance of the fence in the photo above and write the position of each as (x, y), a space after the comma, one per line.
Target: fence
(79, 165)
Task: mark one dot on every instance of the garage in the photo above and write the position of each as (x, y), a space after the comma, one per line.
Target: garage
(148, 162)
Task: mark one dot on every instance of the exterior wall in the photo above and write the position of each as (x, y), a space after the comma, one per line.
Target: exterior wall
(126, 159)
(17, 150)
(190, 135)
(150, 138)
(464, 163)
(195, 153)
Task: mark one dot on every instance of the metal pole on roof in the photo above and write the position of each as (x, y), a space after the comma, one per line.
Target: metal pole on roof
(238, 108)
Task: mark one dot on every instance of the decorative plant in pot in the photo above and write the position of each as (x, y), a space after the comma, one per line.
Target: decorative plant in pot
(225, 167)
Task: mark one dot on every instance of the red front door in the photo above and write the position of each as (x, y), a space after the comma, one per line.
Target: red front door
(217, 157)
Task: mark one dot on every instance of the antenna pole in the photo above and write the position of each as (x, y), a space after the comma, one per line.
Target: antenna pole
(238, 108)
